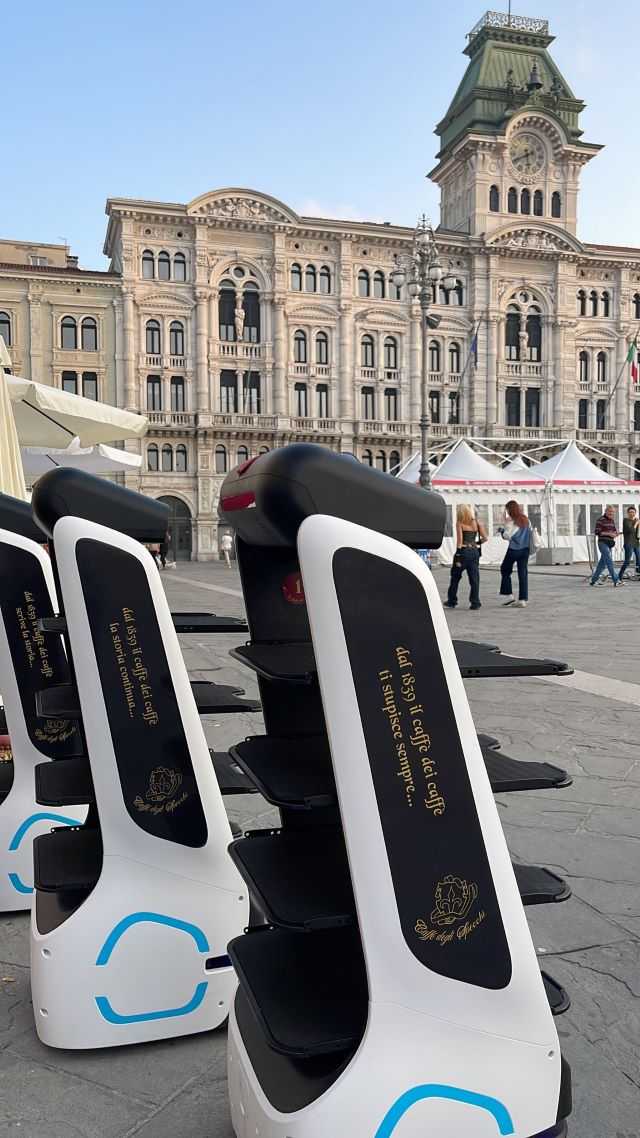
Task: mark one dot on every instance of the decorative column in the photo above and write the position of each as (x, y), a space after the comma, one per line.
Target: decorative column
(622, 418)
(414, 366)
(280, 406)
(345, 366)
(119, 353)
(202, 339)
(35, 333)
(131, 399)
(492, 373)
(556, 401)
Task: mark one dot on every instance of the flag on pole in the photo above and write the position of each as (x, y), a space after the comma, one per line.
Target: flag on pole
(474, 347)
(633, 359)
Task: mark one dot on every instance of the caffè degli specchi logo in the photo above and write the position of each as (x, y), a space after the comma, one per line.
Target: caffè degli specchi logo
(160, 796)
(454, 899)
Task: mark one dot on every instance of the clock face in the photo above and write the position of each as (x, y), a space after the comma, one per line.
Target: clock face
(527, 155)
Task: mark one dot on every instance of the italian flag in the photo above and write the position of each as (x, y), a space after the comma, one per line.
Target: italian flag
(632, 359)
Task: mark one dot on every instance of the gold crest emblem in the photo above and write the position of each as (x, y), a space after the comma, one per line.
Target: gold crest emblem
(454, 897)
(163, 784)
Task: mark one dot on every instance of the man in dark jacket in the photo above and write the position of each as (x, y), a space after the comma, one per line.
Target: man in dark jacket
(630, 527)
(606, 534)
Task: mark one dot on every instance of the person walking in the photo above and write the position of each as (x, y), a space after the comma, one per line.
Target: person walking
(606, 534)
(164, 548)
(519, 534)
(226, 545)
(470, 534)
(631, 538)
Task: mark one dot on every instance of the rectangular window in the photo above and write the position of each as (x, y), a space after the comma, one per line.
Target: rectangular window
(177, 393)
(228, 392)
(563, 519)
(595, 512)
(601, 415)
(391, 404)
(534, 513)
(581, 521)
(90, 385)
(302, 404)
(251, 393)
(70, 382)
(154, 393)
(532, 407)
(368, 411)
(322, 397)
(512, 406)
(434, 406)
(583, 414)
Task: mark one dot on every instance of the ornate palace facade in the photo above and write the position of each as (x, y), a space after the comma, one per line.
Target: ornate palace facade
(237, 325)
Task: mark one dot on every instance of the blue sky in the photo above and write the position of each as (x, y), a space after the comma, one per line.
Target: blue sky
(329, 106)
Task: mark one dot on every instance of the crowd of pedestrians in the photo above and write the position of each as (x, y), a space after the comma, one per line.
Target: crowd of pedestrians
(606, 533)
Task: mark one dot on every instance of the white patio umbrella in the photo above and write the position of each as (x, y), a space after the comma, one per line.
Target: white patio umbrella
(11, 473)
(47, 417)
(99, 459)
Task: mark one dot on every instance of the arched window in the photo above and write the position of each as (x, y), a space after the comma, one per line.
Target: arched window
(525, 201)
(227, 310)
(89, 334)
(583, 414)
(68, 334)
(582, 302)
(583, 367)
(322, 400)
(394, 461)
(301, 399)
(606, 303)
(148, 267)
(391, 353)
(5, 328)
(242, 454)
(364, 288)
(458, 292)
(152, 457)
(593, 302)
(381, 460)
(368, 403)
(601, 415)
(325, 279)
(512, 200)
(181, 459)
(296, 278)
(228, 392)
(434, 406)
(251, 309)
(167, 458)
(70, 382)
(90, 385)
(378, 285)
(391, 404)
(494, 199)
(221, 459)
(300, 347)
(512, 334)
(310, 280)
(556, 204)
(153, 338)
(154, 393)
(635, 302)
(601, 367)
(367, 458)
(395, 290)
(534, 335)
(636, 416)
(177, 393)
(176, 338)
(322, 348)
(434, 356)
(367, 352)
(604, 465)
(164, 274)
(538, 203)
(179, 267)
(454, 358)
(263, 450)
(454, 406)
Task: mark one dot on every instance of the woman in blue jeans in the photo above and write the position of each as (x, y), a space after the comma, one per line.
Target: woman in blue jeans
(518, 534)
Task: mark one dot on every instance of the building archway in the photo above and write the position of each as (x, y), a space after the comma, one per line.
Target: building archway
(180, 528)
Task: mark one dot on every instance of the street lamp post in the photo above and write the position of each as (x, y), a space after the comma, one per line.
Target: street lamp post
(421, 271)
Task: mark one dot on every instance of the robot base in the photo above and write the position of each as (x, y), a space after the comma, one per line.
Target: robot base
(393, 1088)
(142, 958)
(22, 820)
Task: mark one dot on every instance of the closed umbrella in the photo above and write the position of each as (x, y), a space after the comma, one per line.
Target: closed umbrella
(99, 459)
(48, 417)
(11, 473)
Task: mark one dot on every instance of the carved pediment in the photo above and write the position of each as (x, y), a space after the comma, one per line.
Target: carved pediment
(380, 316)
(534, 239)
(153, 299)
(241, 205)
(312, 312)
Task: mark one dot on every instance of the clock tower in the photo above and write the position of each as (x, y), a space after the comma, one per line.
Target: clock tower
(510, 141)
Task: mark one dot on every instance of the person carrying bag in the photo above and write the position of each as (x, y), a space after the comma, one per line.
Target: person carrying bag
(470, 534)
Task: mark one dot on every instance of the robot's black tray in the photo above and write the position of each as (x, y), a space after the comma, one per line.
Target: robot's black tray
(559, 1001)
(231, 778)
(289, 772)
(68, 858)
(309, 991)
(64, 782)
(540, 886)
(507, 774)
(6, 778)
(295, 662)
(207, 623)
(61, 701)
(298, 880)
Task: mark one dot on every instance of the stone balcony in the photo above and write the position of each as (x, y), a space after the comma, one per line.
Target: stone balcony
(315, 426)
(310, 371)
(382, 428)
(527, 432)
(240, 351)
(597, 436)
(520, 369)
(239, 422)
(165, 363)
(171, 418)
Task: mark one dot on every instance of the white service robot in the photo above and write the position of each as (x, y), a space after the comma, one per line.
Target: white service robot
(395, 992)
(134, 910)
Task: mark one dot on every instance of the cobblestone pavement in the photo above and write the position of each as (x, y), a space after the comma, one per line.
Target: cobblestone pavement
(590, 833)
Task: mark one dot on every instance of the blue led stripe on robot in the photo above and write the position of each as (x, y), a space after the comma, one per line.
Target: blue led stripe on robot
(19, 885)
(153, 918)
(107, 1012)
(437, 1090)
(33, 819)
